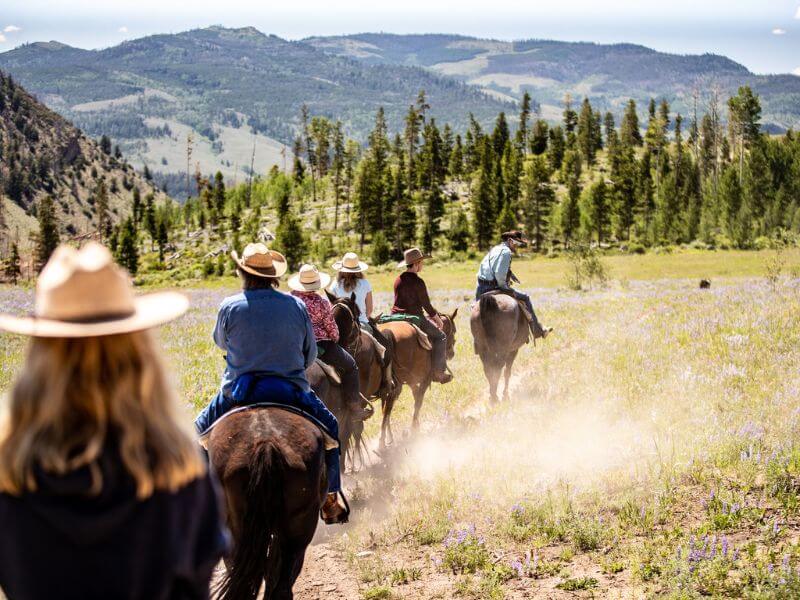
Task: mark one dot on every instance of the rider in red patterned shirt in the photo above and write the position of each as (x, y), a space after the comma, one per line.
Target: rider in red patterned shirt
(305, 286)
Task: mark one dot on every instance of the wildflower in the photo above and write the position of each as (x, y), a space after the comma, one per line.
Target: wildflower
(517, 567)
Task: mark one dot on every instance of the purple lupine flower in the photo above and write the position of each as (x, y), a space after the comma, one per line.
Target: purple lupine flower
(517, 566)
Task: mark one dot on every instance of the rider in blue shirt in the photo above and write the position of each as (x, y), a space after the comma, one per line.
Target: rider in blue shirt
(269, 343)
(495, 273)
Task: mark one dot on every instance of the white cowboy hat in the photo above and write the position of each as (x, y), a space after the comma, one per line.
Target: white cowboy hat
(83, 293)
(260, 261)
(309, 279)
(410, 257)
(350, 264)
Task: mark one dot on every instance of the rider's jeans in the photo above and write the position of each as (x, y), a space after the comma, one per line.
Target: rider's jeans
(271, 389)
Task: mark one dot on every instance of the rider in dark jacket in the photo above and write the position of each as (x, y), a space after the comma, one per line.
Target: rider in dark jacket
(411, 298)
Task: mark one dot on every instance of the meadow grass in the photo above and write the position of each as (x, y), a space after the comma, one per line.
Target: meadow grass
(649, 449)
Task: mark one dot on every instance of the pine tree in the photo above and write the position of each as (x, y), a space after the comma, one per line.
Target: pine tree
(298, 168)
(524, 117)
(149, 219)
(338, 170)
(219, 192)
(587, 142)
(321, 134)
(105, 145)
(745, 114)
(630, 134)
(101, 210)
(484, 200)
(309, 148)
(163, 239)
(413, 122)
(570, 215)
(456, 165)
(556, 148)
(539, 137)
(127, 247)
(136, 206)
(623, 178)
(48, 237)
(539, 197)
(13, 267)
(595, 209)
(289, 240)
(459, 235)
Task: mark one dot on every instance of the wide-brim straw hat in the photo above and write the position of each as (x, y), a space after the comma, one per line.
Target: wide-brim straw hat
(309, 279)
(83, 293)
(350, 263)
(260, 261)
(412, 256)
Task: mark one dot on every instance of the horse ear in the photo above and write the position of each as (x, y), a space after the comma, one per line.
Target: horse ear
(330, 296)
(453, 316)
(353, 297)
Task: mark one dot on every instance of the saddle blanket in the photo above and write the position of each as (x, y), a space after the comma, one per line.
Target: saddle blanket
(414, 321)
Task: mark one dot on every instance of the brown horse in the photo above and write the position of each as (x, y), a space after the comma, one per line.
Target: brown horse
(271, 464)
(412, 366)
(362, 347)
(499, 330)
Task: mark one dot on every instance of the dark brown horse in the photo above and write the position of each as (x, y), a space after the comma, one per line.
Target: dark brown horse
(499, 330)
(362, 347)
(271, 464)
(412, 366)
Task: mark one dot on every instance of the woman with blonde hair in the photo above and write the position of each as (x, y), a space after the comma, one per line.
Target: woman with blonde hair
(102, 493)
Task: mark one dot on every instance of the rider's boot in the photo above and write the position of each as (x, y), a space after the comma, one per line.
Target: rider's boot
(538, 331)
(440, 373)
(334, 510)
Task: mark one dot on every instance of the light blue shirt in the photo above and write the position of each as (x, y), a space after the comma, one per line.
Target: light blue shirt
(495, 265)
(265, 332)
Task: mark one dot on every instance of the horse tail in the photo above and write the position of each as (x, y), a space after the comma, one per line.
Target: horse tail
(259, 544)
(488, 312)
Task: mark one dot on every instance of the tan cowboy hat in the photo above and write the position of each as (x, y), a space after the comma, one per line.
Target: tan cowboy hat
(350, 264)
(260, 261)
(83, 293)
(411, 256)
(309, 279)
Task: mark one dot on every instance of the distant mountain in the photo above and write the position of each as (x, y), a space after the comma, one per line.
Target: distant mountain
(42, 154)
(608, 74)
(224, 84)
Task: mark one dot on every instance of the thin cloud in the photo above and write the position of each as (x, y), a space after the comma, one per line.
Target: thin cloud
(778, 31)
(123, 29)
(2, 38)
(12, 29)
(796, 71)
(797, 14)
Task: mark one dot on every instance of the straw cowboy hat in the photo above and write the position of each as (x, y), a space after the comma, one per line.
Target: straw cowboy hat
(83, 293)
(411, 257)
(309, 279)
(350, 264)
(260, 261)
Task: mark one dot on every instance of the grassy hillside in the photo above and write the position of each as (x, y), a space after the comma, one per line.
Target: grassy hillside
(42, 154)
(608, 74)
(213, 78)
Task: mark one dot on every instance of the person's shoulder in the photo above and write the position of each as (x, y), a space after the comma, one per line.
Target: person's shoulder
(364, 283)
(232, 300)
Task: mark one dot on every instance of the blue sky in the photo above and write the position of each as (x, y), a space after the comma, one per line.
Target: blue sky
(764, 35)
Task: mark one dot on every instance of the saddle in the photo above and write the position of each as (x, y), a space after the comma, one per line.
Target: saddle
(413, 320)
(330, 441)
(520, 303)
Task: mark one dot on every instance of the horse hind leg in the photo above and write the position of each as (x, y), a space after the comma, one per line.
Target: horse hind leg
(287, 575)
(492, 373)
(419, 396)
(386, 424)
(507, 374)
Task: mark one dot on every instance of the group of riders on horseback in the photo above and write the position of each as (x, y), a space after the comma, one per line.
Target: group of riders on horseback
(95, 465)
(271, 338)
